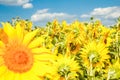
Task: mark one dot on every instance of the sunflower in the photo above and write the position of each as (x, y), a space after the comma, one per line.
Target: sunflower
(72, 44)
(114, 70)
(65, 68)
(106, 36)
(94, 53)
(22, 56)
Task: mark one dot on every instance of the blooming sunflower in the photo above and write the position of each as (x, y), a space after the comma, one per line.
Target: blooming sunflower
(65, 68)
(21, 56)
(72, 44)
(106, 33)
(114, 70)
(95, 53)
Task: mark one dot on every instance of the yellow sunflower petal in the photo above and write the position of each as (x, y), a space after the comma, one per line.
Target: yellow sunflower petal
(28, 37)
(1, 61)
(19, 31)
(35, 43)
(34, 77)
(40, 50)
(41, 69)
(17, 76)
(2, 44)
(38, 68)
(26, 76)
(44, 57)
(9, 30)
(29, 76)
(3, 70)
(9, 75)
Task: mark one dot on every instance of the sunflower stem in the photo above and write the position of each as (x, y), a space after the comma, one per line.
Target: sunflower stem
(91, 72)
(108, 77)
(91, 68)
(66, 77)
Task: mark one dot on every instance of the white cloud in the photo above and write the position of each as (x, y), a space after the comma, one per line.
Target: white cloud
(84, 15)
(42, 11)
(108, 12)
(103, 11)
(27, 5)
(107, 15)
(45, 16)
(23, 3)
(13, 2)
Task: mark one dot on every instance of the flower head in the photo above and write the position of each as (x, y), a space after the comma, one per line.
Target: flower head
(65, 67)
(22, 54)
(95, 53)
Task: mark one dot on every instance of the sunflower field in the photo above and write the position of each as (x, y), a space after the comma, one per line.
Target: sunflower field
(59, 51)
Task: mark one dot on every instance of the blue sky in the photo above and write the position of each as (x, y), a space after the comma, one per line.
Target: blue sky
(42, 11)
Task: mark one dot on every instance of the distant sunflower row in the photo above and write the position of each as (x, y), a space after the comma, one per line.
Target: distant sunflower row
(59, 51)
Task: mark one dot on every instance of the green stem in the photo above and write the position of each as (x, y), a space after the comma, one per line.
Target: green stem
(66, 77)
(108, 77)
(91, 69)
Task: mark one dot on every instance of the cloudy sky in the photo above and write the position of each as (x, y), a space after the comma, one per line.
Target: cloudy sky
(42, 11)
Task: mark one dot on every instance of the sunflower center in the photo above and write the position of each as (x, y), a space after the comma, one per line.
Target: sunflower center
(93, 56)
(18, 58)
(21, 58)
